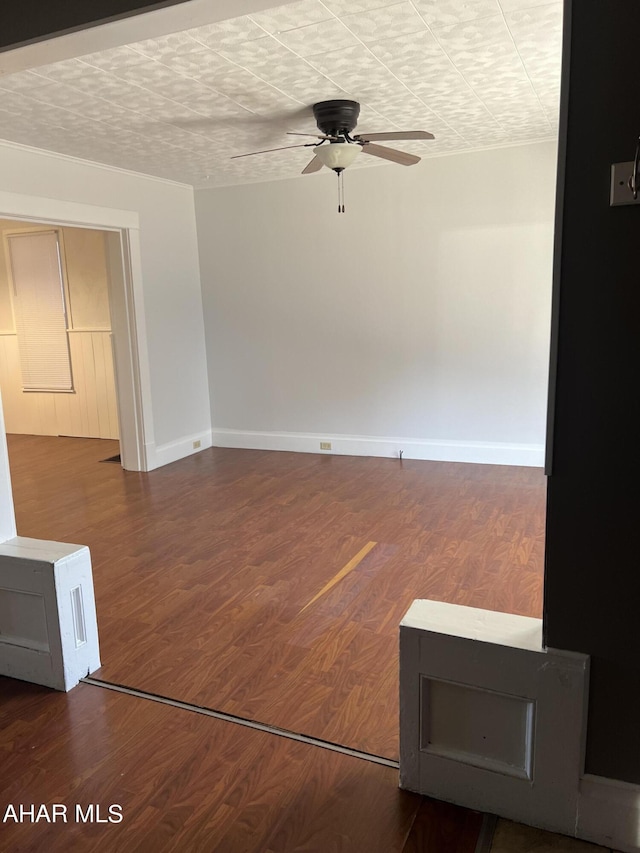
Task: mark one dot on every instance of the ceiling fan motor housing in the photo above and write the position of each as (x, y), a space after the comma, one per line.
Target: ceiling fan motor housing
(335, 118)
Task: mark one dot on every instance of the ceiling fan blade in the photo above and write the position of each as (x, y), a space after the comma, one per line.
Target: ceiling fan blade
(314, 166)
(397, 134)
(267, 150)
(391, 154)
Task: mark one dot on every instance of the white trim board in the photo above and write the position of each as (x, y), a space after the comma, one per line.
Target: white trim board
(172, 451)
(609, 813)
(491, 453)
(36, 210)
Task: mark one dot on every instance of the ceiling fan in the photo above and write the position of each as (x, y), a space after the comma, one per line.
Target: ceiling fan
(337, 148)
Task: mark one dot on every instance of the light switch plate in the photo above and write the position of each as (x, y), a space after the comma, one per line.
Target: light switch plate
(620, 189)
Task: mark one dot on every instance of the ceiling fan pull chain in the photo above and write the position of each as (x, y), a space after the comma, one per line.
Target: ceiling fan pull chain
(340, 174)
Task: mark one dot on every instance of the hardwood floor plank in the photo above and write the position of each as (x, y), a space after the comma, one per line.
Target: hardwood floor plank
(185, 782)
(202, 568)
(344, 571)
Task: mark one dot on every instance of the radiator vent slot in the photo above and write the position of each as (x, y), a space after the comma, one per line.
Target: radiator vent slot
(77, 609)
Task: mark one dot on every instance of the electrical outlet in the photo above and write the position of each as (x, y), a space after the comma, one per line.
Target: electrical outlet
(196, 444)
(325, 445)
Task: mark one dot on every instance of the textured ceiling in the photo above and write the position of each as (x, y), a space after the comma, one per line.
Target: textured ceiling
(476, 73)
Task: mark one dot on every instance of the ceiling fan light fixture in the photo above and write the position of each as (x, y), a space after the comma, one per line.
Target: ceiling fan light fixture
(337, 155)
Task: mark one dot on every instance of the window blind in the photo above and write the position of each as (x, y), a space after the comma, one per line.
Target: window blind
(40, 312)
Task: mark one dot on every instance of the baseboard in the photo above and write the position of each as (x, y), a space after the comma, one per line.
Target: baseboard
(609, 813)
(492, 453)
(163, 454)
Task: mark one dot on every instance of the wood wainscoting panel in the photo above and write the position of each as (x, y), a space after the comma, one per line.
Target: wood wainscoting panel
(89, 411)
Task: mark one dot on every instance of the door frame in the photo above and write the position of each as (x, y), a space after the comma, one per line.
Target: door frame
(126, 304)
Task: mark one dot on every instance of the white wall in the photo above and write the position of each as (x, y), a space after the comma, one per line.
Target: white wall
(422, 313)
(171, 285)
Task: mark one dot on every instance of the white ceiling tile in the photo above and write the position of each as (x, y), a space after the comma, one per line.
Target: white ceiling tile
(487, 136)
(181, 105)
(483, 32)
(386, 22)
(551, 103)
(443, 13)
(225, 33)
(119, 57)
(544, 71)
(65, 72)
(60, 95)
(508, 91)
(404, 107)
(511, 5)
(283, 69)
(372, 122)
(411, 65)
(190, 62)
(101, 86)
(148, 74)
(356, 69)
(213, 104)
(543, 75)
(298, 80)
(130, 97)
(524, 120)
(108, 113)
(386, 100)
(350, 7)
(494, 61)
(527, 110)
(542, 24)
(450, 148)
(316, 38)
(246, 89)
(472, 114)
(258, 54)
(444, 91)
(462, 102)
(309, 87)
(26, 81)
(421, 48)
(502, 101)
(155, 48)
(157, 130)
(292, 16)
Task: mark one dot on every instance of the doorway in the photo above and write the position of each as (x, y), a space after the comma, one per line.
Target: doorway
(116, 234)
(56, 358)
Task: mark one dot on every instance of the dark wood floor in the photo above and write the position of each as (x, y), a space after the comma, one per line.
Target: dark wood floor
(268, 585)
(206, 570)
(193, 784)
